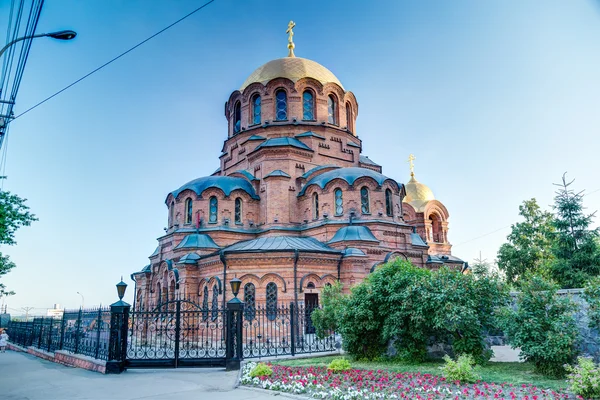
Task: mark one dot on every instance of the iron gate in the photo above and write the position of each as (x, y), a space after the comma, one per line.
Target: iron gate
(178, 333)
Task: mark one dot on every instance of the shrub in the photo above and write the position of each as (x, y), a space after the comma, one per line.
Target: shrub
(463, 369)
(591, 294)
(584, 378)
(326, 319)
(542, 326)
(261, 369)
(339, 365)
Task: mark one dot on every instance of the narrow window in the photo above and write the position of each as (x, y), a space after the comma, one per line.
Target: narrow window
(158, 294)
(238, 210)
(215, 303)
(237, 118)
(364, 200)
(172, 214)
(349, 117)
(188, 211)
(281, 105)
(271, 301)
(389, 208)
(308, 106)
(213, 204)
(339, 202)
(205, 304)
(331, 109)
(315, 206)
(256, 109)
(250, 301)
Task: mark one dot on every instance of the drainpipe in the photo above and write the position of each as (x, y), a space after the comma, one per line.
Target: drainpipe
(134, 291)
(296, 255)
(222, 257)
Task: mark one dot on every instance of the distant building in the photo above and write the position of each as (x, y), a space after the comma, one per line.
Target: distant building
(294, 205)
(56, 312)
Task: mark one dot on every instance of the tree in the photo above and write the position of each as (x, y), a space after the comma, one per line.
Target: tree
(529, 247)
(326, 319)
(13, 215)
(576, 249)
(481, 268)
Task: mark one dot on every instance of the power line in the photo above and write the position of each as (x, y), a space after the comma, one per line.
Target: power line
(484, 235)
(114, 59)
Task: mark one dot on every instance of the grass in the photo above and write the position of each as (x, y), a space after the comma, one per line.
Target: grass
(499, 372)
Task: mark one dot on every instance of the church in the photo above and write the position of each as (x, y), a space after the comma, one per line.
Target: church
(294, 205)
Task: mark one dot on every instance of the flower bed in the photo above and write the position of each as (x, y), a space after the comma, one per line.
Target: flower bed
(320, 383)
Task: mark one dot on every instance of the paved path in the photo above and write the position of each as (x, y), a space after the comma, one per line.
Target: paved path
(25, 377)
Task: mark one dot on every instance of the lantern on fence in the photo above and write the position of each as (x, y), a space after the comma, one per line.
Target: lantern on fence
(121, 286)
(235, 286)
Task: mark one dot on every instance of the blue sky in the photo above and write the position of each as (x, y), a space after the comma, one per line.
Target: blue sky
(495, 98)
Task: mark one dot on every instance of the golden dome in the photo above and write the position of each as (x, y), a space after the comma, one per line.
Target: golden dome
(417, 194)
(293, 68)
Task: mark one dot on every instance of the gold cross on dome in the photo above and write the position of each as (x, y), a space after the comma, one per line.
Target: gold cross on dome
(291, 44)
(411, 163)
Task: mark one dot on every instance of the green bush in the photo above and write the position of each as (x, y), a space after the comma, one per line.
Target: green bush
(591, 294)
(326, 319)
(542, 325)
(261, 369)
(408, 305)
(584, 378)
(463, 369)
(339, 365)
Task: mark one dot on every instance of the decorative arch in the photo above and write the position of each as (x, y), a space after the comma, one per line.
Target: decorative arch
(309, 83)
(435, 206)
(251, 90)
(311, 275)
(394, 254)
(277, 83)
(250, 278)
(328, 278)
(215, 280)
(374, 267)
(277, 277)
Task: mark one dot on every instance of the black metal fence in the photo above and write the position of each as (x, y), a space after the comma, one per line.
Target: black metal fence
(80, 331)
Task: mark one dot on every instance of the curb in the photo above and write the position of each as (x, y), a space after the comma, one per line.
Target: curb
(274, 392)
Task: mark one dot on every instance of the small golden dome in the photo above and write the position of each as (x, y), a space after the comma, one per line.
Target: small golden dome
(417, 194)
(293, 68)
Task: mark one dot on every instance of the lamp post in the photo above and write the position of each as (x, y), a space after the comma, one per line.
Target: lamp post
(233, 343)
(82, 300)
(119, 325)
(60, 35)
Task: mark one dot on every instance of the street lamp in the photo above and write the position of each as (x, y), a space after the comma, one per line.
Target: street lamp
(60, 35)
(121, 286)
(235, 286)
(82, 300)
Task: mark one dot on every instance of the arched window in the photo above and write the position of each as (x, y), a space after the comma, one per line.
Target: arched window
(172, 214)
(339, 202)
(364, 200)
(310, 285)
(237, 118)
(256, 109)
(349, 117)
(250, 301)
(214, 314)
(238, 210)
(331, 109)
(271, 301)
(281, 105)
(436, 228)
(205, 304)
(308, 106)
(328, 284)
(315, 197)
(389, 207)
(188, 210)
(213, 204)
(158, 294)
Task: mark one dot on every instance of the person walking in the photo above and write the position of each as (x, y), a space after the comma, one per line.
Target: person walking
(3, 340)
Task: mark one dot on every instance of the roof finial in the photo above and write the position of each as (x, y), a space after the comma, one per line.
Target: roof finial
(411, 159)
(291, 44)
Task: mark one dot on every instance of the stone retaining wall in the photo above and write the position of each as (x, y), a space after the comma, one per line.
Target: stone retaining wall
(64, 357)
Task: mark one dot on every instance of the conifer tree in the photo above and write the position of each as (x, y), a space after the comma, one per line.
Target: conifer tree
(576, 249)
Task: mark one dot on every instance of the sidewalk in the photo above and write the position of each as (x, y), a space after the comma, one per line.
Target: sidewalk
(24, 377)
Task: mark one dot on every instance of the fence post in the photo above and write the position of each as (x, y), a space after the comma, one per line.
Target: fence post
(62, 332)
(293, 328)
(233, 344)
(77, 329)
(99, 327)
(50, 326)
(41, 332)
(119, 327)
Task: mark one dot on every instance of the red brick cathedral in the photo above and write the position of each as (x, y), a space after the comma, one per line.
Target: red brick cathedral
(294, 205)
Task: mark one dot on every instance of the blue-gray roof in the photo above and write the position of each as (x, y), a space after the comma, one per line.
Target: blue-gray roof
(147, 268)
(197, 241)
(247, 174)
(226, 183)
(353, 232)
(352, 144)
(349, 175)
(416, 240)
(217, 170)
(280, 243)
(190, 258)
(278, 172)
(315, 169)
(156, 252)
(309, 134)
(256, 137)
(367, 160)
(443, 258)
(283, 141)
(354, 252)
